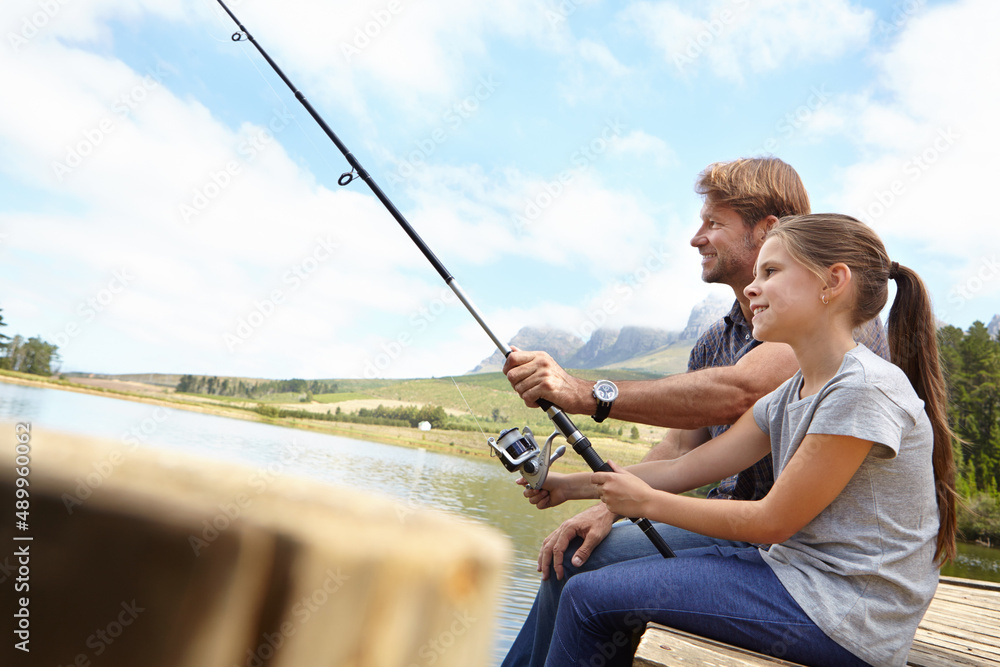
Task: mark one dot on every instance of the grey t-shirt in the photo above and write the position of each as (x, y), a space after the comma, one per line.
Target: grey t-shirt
(863, 569)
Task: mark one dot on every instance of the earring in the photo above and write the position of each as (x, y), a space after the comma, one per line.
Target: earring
(823, 298)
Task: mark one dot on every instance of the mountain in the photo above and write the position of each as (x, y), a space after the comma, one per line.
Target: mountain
(616, 346)
(560, 344)
(599, 346)
(704, 315)
(642, 348)
(994, 327)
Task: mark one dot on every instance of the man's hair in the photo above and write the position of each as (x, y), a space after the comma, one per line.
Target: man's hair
(755, 188)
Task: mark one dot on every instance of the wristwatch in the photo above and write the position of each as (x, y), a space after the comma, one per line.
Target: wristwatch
(605, 392)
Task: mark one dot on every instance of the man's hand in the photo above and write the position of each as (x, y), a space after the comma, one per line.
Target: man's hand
(535, 375)
(592, 524)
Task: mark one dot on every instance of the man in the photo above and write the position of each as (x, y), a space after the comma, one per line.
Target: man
(727, 372)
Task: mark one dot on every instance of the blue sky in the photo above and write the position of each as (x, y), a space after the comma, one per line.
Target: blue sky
(167, 206)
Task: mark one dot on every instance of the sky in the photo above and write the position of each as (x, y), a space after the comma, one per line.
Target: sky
(167, 205)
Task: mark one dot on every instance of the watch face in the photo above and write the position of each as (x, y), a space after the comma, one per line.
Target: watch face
(605, 391)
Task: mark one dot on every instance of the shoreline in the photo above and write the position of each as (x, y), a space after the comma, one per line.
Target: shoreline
(461, 443)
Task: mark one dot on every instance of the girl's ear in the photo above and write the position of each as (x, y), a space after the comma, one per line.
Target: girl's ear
(838, 279)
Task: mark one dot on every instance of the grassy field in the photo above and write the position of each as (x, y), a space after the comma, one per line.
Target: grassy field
(340, 397)
(667, 360)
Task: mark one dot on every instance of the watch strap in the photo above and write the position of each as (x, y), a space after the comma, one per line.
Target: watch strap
(602, 412)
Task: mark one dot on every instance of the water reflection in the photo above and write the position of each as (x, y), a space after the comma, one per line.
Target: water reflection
(975, 561)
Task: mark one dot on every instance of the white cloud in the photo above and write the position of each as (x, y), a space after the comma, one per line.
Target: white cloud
(600, 55)
(419, 54)
(552, 220)
(930, 143)
(591, 70)
(731, 36)
(219, 242)
(22, 22)
(588, 225)
(638, 143)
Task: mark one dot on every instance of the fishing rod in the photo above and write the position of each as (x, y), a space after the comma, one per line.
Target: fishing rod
(518, 452)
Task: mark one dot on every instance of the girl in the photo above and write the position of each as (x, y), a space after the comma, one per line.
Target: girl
(862, 512)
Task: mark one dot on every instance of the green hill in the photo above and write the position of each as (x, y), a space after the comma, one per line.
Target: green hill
(666, 360)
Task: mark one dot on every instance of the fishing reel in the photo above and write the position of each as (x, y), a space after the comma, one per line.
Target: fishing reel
(520, 453)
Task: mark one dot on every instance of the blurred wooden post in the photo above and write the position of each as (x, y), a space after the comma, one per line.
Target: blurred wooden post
(147, 557)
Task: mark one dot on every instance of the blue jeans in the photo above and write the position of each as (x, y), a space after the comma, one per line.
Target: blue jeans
(625, 542)
(725, 593)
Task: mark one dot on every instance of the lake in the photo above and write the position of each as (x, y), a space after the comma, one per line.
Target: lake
(476, 488)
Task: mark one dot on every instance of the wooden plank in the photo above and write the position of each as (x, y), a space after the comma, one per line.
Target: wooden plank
(930, 638)
(970, 583)
(966, 631)
(979, 602)
(956, 652)
(989, 604)
(960, 612)
(931, 656)
(985, 598)
(960, 629)
(960, 636)
(955, 613)
(962, 626)
(662, 646)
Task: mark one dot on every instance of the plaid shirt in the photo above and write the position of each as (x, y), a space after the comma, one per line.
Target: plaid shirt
(726, 342)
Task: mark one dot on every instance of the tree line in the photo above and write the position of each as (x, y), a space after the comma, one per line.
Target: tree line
(237, 387)
(971, 362)
(406, 415)
(433, 414)
(27, 355)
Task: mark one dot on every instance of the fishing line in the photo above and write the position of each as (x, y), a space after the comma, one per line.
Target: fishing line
(517, 452)
(469, 407)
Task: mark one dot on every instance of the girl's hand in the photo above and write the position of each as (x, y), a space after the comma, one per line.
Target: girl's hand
(552, 493)
(622, 492)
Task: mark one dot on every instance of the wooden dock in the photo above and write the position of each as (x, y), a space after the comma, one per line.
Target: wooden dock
(128, 555)
(960, 629)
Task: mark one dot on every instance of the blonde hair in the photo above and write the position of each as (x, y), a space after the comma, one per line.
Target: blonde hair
(755, 188)
(822, 240)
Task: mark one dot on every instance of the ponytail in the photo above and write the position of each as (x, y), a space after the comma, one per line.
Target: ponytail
(913, 347)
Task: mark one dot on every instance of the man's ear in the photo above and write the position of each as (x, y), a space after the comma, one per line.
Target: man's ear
(764, 226)
(838, 279)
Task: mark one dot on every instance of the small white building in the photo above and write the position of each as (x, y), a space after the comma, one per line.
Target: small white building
(424, 426)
